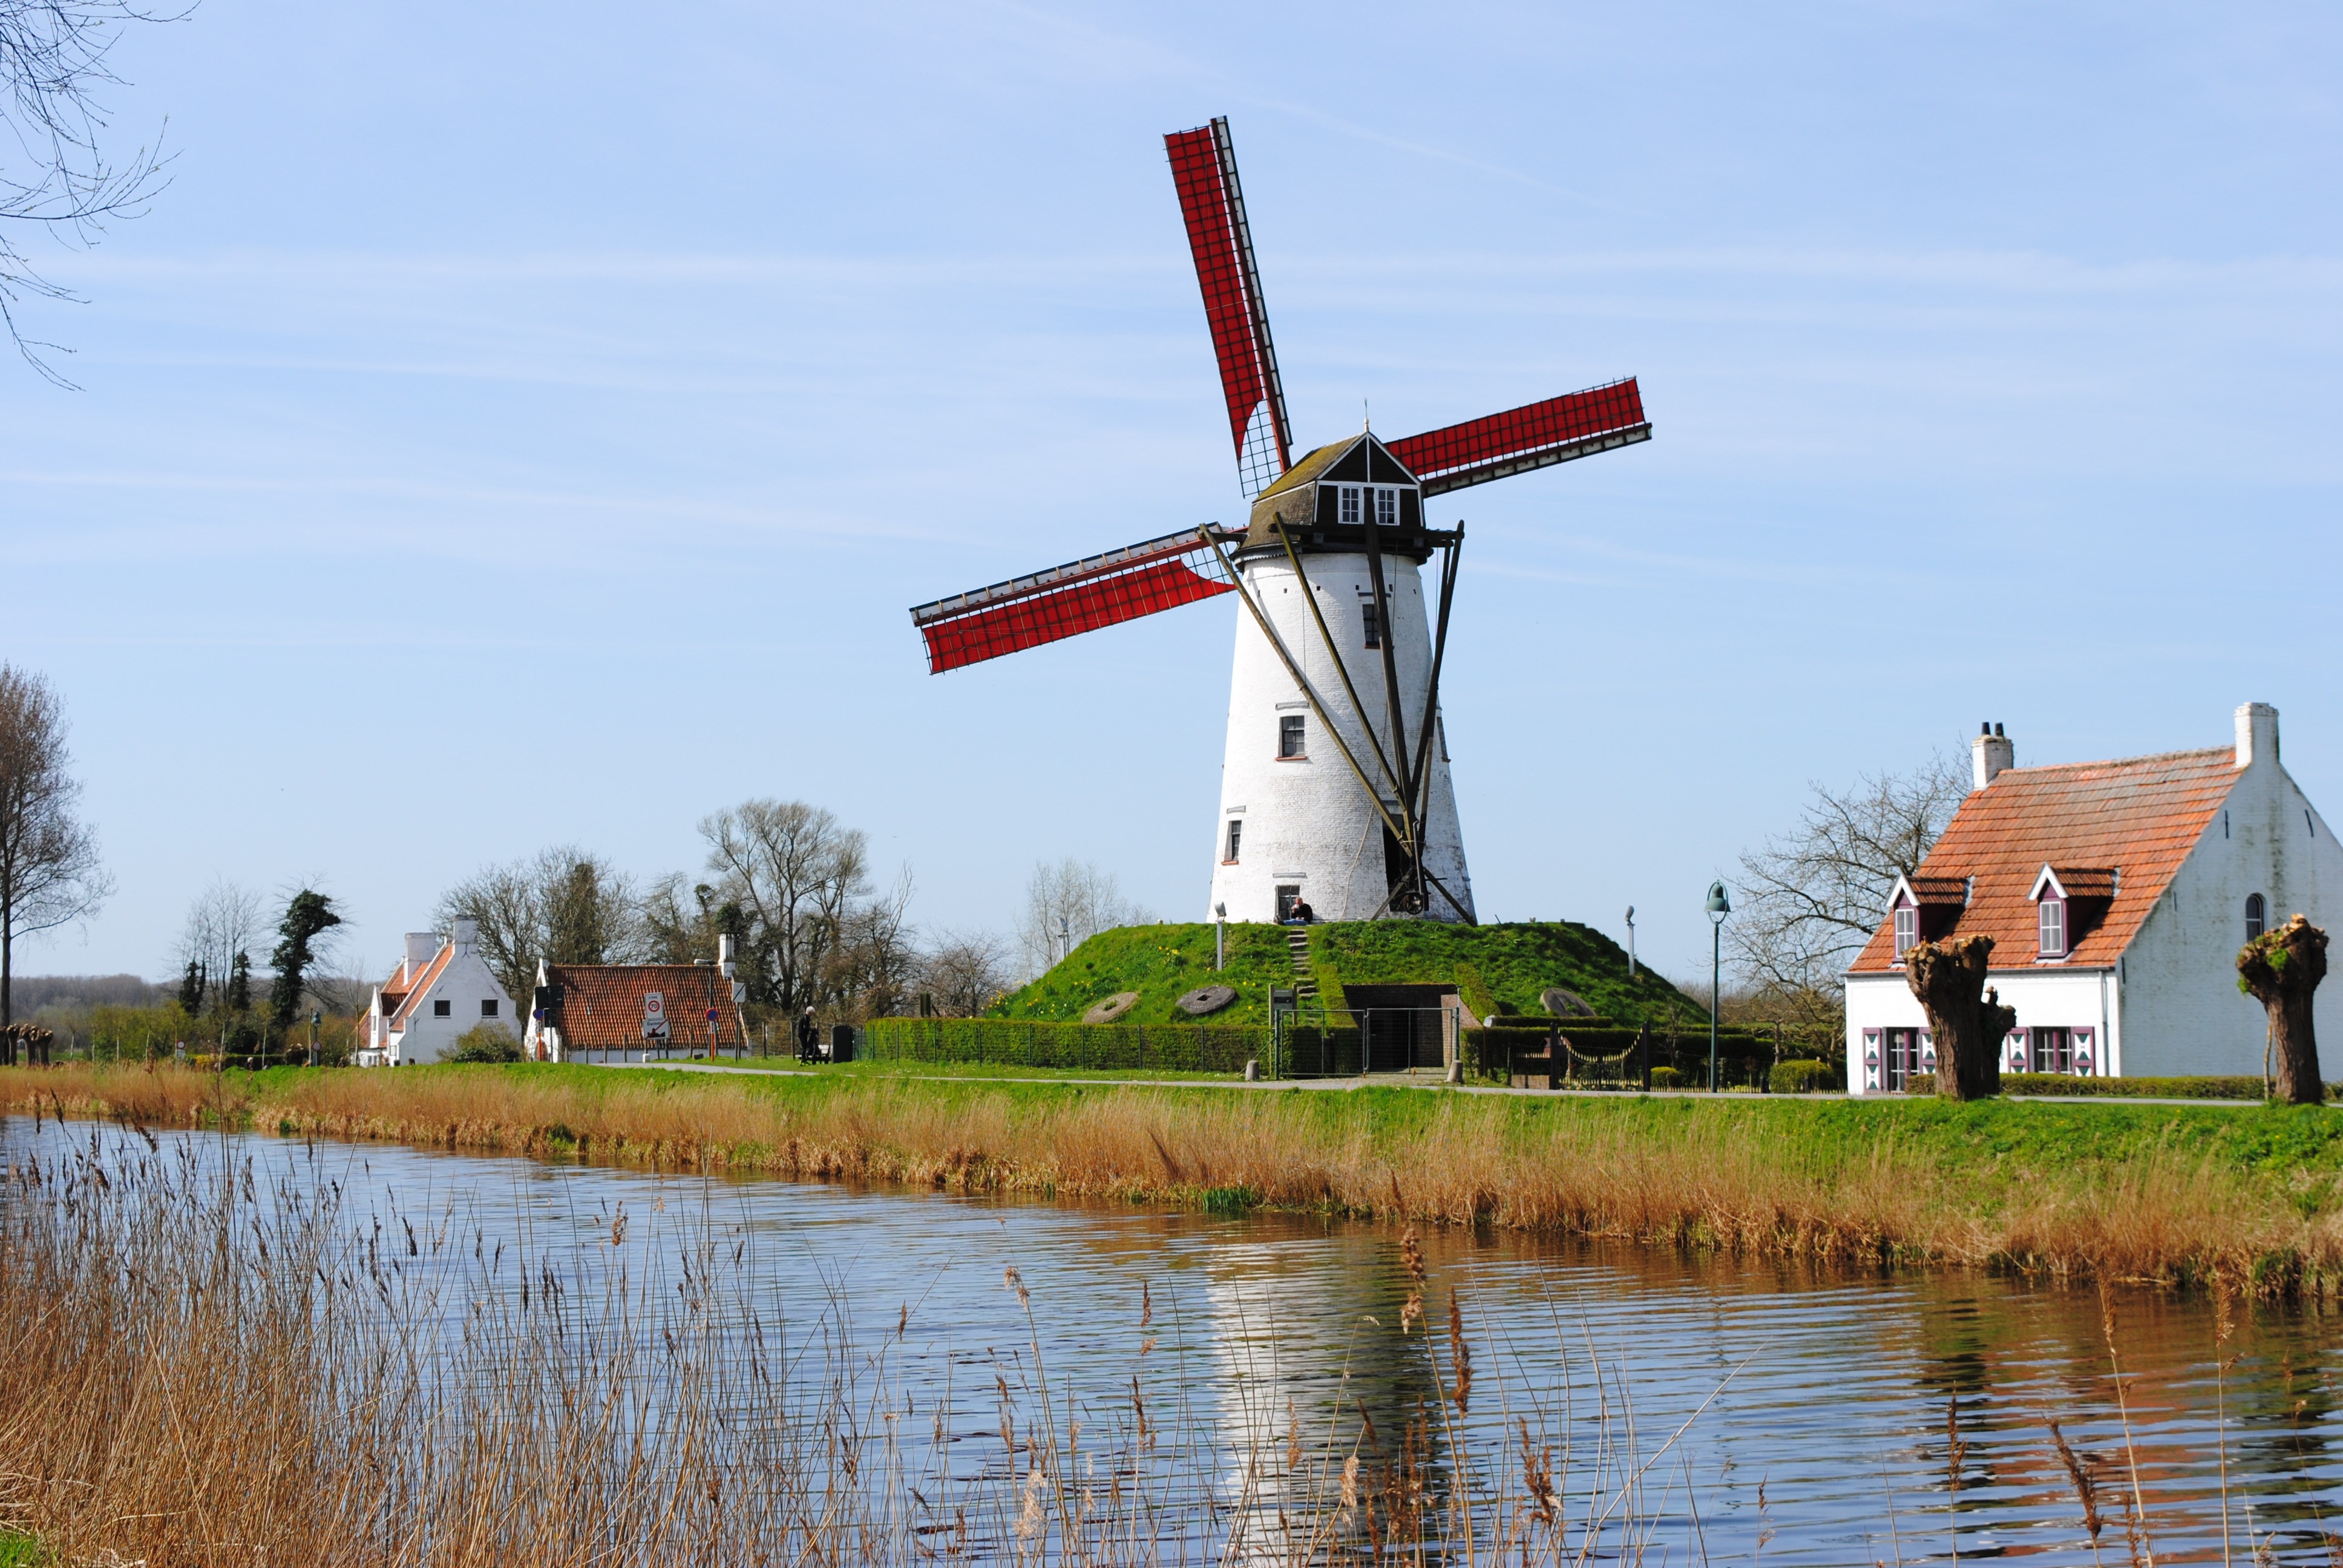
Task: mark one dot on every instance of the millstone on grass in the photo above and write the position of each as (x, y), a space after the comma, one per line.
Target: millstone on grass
(1112, 1007)
(1206, 999)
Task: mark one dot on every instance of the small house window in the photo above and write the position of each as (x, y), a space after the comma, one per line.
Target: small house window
(1907, 929)
(2050, 925)
(487, 1006)
(442, 1009)
(1373, 622)
(1350, 513)
(2054, 1049)
(1289, 736)
(1236, 836)
(1387, 508)
(2256, 916)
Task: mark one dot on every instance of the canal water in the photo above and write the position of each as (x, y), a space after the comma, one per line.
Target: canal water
(1742, 1411)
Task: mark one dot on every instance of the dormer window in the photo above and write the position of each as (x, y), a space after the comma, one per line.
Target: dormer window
(1387, 507)
(1907, 930)
(1349, 512)
(2051, 926)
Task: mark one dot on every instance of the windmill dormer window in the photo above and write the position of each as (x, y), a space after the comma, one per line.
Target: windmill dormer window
(1387, 507)
(1349, 512)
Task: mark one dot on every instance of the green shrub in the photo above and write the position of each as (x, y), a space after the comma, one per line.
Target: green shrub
(486, 1043)
(1666, 1077)
(1801, 1078)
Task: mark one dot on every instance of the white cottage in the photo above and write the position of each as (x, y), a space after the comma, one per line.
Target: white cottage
(2117, 895)
(440, 989)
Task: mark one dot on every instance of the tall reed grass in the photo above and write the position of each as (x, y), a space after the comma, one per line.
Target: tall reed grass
(200, 1366)
(2170, 1195)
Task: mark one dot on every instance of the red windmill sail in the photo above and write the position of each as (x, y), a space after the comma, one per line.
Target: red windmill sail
(1204, 171)
(1520, 439)
(1065, 601)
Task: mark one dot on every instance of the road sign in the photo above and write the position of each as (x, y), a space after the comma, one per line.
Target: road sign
(655, 1015)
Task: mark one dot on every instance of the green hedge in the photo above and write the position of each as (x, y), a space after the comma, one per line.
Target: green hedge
(1017, 1042)
(2237, 1088)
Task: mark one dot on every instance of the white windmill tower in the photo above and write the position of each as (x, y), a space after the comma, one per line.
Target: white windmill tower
(1334, 789)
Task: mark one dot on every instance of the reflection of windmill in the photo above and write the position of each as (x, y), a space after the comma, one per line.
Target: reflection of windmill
(1338, 630)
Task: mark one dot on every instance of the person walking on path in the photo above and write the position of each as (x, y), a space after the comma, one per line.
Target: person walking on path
(806, 1034)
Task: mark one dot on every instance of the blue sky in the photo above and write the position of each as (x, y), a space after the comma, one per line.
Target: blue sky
(527, 424)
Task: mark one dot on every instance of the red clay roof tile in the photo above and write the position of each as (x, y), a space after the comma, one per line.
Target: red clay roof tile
(2138, 816)
(599, 1007)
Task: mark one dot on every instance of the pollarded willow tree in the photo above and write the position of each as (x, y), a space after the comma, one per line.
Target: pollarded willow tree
(1967, 1021)
(2281, 969)
(50, 875)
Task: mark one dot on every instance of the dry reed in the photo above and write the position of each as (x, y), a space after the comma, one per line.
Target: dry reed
(1717, 1176)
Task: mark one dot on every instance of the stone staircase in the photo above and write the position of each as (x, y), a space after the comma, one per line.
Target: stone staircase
(1305, 988)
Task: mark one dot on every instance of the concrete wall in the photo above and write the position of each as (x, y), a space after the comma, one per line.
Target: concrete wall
(1311, 822)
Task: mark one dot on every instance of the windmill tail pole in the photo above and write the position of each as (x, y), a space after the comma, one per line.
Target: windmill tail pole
(2281, 969)
(1968, 1024)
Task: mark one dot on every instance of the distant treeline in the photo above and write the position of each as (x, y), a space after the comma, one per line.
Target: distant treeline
(28, 994)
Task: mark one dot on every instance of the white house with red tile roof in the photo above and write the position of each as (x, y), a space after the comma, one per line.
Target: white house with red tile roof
(440, 989)
(637, 1012)
(2117, 895)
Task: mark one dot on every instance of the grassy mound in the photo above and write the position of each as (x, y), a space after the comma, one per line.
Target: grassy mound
(1507, 964)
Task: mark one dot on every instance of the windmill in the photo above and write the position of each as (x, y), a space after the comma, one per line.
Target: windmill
(1335, 786)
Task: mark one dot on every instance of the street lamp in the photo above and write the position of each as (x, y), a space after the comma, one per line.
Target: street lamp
(1719, 906)
(1631, 941)
(1220, 938)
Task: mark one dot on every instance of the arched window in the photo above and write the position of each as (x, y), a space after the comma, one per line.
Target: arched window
(2256, 916)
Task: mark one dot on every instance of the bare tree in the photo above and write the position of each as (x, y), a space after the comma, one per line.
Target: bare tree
(966, 972)
(1810, 900)
(870, 968)
(562, 906)
(49, 870)
(795, 872)
(61, 180)
(224, 922)
(1066, 905)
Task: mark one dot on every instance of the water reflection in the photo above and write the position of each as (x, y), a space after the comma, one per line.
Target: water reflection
(1755, 1411)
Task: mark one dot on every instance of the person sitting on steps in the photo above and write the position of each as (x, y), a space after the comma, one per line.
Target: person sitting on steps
(1301, 914)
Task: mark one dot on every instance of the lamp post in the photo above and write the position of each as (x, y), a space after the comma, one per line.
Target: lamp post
(1719, 906)
(315, 1020)
(1631, 941)
(1220, 938)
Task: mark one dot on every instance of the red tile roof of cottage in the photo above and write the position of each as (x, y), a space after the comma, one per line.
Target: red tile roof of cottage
(2114, 831)
(599, 1007)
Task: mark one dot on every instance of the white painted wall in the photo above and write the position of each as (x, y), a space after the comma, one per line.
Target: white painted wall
(464, 984)
(2043, 999)
(2181, 973)
(1310, 822)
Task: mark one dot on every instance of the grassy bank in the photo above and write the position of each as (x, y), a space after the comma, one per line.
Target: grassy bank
(2169, 1194)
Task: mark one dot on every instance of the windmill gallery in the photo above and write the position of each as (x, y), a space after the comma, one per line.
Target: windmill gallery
(1335, 788)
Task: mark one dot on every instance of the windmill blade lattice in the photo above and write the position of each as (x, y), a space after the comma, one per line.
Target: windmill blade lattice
(1204, 170)
(1082, 596)
(1536, 436)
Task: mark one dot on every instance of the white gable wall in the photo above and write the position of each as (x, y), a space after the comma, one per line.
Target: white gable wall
(2181, 973)
(464, 984)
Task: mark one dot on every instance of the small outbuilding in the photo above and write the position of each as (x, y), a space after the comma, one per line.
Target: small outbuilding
(2117, 895)
(440, 989)
(635, 1012)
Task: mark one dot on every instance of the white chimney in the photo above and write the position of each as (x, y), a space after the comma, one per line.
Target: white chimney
(2257, 734)
(421, 946)
(724, 961)
(1989, 753)
(465, 933)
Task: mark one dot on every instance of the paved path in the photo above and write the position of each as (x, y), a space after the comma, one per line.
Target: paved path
(1344, 1085)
